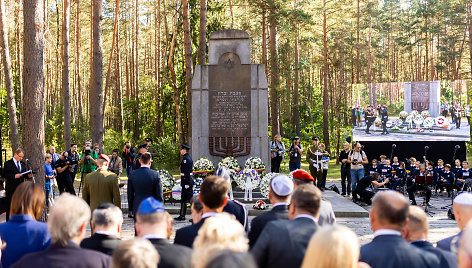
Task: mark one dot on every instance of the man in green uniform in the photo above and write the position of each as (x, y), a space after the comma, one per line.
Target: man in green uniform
(314, 158)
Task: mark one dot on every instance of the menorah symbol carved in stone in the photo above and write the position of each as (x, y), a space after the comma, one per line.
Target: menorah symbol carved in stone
(229, 146)
(420, 106)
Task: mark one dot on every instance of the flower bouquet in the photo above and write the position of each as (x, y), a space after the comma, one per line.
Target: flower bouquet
(229, 163)
(168, 182)
(248, 180)
(414, 113)
(425, 114)
(202, 168)
(255, 163)
(403, 115)
(259, 205)
(265, 182)
(377, 122)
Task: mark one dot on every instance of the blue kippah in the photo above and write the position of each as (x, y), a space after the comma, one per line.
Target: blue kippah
(151, 205)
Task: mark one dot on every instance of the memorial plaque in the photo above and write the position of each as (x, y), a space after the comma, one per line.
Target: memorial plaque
(230, 98)
(420, 96)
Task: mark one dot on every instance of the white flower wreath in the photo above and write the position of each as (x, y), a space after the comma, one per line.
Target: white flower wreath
(255, 163)
(202, 168)
(240, 178)
(168, 182)
(265, 182)
(230, 163)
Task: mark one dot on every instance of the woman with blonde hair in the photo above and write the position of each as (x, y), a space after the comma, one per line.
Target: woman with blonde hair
(219, 232)
(333, 246)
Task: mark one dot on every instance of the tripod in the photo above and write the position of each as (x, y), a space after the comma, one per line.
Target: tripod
(87, 161)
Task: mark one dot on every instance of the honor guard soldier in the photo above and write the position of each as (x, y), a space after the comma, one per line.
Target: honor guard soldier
(314, 157)
(141, 150)
(152, 151)
(384, 118)
(186, 180)
(369, 118)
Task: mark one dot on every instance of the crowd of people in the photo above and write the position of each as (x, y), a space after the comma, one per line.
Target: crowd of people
(366, 117)
(457, 111)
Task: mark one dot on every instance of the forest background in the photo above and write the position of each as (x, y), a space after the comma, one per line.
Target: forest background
(119, 70)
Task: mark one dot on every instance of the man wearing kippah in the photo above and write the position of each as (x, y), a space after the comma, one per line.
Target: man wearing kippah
(462, 207)
(152, 224)
(280, 188)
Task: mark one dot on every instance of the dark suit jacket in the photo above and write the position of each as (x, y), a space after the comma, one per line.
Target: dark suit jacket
(71, 256)
(185, 236)
(143, 183)
(259, 222)
(283, 243)
(445, 244)
(237, 209)
(172, 256)
(446, 259)
(100, 242)
(100, 187)
(392, 251)
(9, 172)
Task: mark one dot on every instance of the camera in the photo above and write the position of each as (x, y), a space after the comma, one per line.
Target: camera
(354, 161)
(127, 147)
(88, 150)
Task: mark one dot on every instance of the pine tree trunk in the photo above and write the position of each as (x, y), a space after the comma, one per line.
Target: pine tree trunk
(188, 64)
(136, 75)
(158, 69)
(469, 25)
(65, 72)
(96, 90)
(203, 32)
(325, 79)
(33, 113)
(274, 71)
(14, 138)
(296, 113)
(77, 63)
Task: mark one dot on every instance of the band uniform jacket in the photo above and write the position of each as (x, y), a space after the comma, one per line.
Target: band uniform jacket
(186, 176)
(279, 212)
(143, 183)
(101, 187)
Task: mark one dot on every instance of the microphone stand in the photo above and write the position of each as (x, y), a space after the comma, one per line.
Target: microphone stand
(28, 165)
(391, 153)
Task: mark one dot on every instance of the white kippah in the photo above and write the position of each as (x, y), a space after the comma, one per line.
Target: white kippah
(464, 199)
(282, 185)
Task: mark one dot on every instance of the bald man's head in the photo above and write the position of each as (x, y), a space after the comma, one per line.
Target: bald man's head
(417, 224)
(389, 211)
(464, 254)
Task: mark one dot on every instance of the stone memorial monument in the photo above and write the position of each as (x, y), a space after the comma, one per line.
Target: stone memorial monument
(423, 96)
(230, 102)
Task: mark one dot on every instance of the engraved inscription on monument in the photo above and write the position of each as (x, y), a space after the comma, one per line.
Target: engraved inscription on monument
(230, 98)
(420, 96)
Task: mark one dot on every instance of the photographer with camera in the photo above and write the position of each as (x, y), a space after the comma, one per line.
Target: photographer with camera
(128, 157)
(295, 151)
(88, 158)
(277, 150)
(357, 158)
(64, 179)
(74, 160)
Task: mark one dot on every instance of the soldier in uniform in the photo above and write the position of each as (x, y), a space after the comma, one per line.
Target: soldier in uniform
(152, 151)
(186, 180)
(369, 116)
(384, 115)
(142, 149)
(314, 158)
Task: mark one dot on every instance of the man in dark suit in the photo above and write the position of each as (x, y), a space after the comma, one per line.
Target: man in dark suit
(101, 186)
(143, 183)
(106, 226)
(462, 207)
(186, 180)
(213, 196)
(464, 252)
(12, 170)
(233, 207)
(67, 221)
(416, 232)
(283, 243)
(388, 249)
(152, 224)
(280, 188)
(326, 214)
